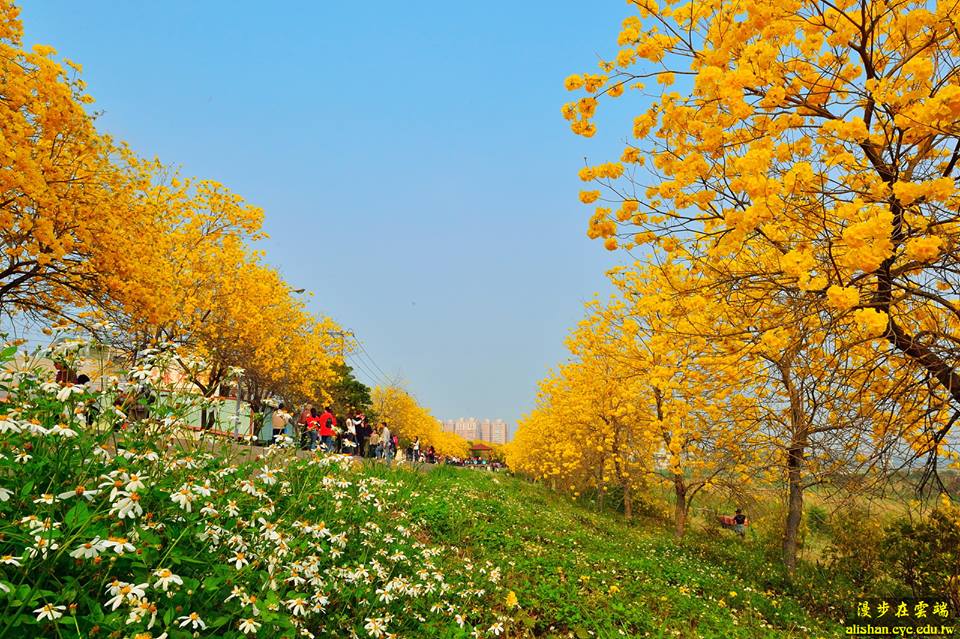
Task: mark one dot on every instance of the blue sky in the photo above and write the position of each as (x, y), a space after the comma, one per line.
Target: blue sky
(411, 158)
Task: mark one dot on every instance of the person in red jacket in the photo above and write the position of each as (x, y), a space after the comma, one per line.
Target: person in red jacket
(327, 422)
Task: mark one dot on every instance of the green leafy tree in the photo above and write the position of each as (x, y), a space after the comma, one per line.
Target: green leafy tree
(349, 392)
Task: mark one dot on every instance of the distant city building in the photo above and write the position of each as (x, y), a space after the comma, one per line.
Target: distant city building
(487, 430)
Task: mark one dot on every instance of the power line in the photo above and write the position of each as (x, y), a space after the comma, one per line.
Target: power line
(370, 373)
(364, 351)
(362, 367)
(369, 367)
(375, 370)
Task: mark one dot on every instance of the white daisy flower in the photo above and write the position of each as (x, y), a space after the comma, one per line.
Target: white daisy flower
(184, 498)
(267, 476)
(125, 592)
(49, 611)
(128, 506)
(193, 620)
(135, 482)
(42, 547)
(297, 606)
(79, 491)
(62, 430)
(9, 426)
(165, 578)
(64, 393)
(36, 429)
(204, 489)
(88, 550)
(119, 545)
(269, 530)
(237, 591)
(249, 626)
(375, 627)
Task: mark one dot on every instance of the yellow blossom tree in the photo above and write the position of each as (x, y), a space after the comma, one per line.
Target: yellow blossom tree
(88, 230)
(73, 228)
(408, 419)
(806, 147)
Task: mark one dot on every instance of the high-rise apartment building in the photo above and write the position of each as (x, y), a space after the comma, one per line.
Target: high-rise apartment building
(487, 430)
(498, 432)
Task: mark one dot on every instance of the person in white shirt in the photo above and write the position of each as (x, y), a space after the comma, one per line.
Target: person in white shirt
(349, 444)
(386, 442)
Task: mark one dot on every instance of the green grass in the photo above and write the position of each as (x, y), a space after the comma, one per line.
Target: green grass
(579, 573)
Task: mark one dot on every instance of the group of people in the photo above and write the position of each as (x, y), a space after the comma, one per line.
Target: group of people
(320, 430)
(416, 453)
(475, 462)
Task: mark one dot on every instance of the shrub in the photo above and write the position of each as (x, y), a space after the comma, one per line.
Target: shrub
(925, 554)
(854, 551)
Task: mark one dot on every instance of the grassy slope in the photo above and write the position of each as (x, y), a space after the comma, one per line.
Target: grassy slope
(578, 573)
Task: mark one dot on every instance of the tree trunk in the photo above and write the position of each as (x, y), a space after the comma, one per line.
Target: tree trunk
(799, 434)
(622, 476)
(680, 509)
(794, 507)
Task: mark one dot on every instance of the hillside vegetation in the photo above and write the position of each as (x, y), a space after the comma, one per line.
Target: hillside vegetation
(580, 573)
(116, 527)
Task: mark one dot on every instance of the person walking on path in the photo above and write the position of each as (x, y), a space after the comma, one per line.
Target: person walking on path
(350, 435)
(373, 445)
(302, 423)
(386, 438)
(279, 420)
(364, 432)
(313, 428)
(327, 422)
(415, 449)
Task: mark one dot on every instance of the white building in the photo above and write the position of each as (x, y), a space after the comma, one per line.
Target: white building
(493, 431)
